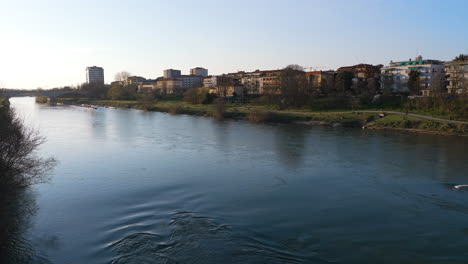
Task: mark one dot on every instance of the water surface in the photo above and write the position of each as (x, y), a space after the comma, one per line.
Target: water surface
(145, 187)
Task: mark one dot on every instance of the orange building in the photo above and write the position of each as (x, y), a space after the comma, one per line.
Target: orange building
(317, 78)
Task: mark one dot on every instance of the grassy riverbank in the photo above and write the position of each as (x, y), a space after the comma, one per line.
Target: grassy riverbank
(262, 113)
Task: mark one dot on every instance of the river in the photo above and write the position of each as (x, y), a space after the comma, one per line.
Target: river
(147, 187)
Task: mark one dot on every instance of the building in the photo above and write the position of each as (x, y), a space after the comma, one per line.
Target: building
(320, 79)
(270, 82)
(395, 76)
(136, 80)
(191, 81)
(457, 75)
(169, 86)
(254, 83)
(198, 71)
(210, 82)
(171, 73)
(231, 87)
(251, 81)
(95, 74)
(147, 86)
(363, 71)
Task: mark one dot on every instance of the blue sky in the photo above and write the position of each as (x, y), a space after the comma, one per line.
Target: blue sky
(50, 43)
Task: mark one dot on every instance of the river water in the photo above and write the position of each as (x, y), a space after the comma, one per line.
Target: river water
(146, 187)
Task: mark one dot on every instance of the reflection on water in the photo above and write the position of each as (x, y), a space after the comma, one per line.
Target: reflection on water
(290, 143)
(16, 210)
(145, 187)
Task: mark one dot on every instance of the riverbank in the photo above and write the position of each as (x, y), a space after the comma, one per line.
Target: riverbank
(368, 119)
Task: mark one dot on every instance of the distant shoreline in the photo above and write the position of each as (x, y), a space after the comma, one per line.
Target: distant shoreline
(366, 119)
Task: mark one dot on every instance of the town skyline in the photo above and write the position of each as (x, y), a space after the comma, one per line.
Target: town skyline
(313, 34)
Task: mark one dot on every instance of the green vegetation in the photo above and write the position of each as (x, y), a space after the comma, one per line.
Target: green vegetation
(4, 104)
(42, 99)
(121, 91)
(197, 96)
(409, 123)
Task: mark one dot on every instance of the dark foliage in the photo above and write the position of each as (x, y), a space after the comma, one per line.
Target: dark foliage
(19, 164)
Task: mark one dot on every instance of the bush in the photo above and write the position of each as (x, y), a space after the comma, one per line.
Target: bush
(147, 100)
(261, 116)
(41, 99)
(219, 108)
(196, 95)
(175, 109)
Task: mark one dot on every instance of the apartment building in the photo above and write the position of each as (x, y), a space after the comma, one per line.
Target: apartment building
(395, 76)
(457, 75)
(169, 85)
(210, 82)
(171, 73)
(190, 81)
(270, 82)
(95, 74)
(199, 71)
(319, 79)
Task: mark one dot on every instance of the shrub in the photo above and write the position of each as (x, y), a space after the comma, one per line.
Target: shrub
(147, 100)
(41, 99)
(219, 108)
(261, 116)
(196, 95)
(175, 109)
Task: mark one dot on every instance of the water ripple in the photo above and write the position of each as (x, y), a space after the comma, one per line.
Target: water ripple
(192, 238)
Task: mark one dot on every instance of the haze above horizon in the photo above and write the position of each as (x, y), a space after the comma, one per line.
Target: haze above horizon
(50, 44)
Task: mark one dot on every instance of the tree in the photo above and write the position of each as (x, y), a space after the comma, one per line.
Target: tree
(94, 90)
(223, 84)
(343, 82)
(372, 86)
(461, 57)
(19, 164)
(414, 84)
(328, 85)
(295, 67)
(196, 95)
(438, 83)
(2, 90)
(122, 77)
(121, 91)
(293, 86)
(360, 86)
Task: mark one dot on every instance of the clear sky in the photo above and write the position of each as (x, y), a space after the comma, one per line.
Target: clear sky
(50, 43)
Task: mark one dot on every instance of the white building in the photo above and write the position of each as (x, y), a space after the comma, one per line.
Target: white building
(171, 73)
(395, 76)
(198, 71)
(95, 74)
